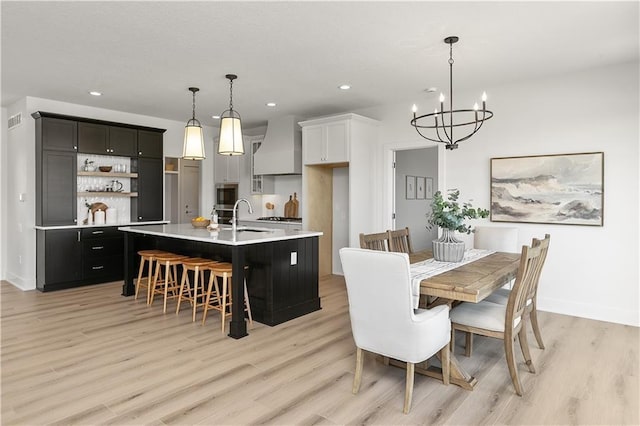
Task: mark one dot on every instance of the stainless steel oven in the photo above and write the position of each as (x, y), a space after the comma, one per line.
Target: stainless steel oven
(226, 197)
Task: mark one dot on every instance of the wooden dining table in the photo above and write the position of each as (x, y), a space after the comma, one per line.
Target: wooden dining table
(470, 282)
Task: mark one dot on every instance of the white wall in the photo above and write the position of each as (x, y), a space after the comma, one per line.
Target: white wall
(590, 272)
(3, 189)
(18, 237)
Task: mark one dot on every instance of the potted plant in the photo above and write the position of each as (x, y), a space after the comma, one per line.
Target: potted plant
(448, 215)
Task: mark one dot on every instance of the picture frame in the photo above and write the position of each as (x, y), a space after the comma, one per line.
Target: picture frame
(428, 189)
(410, 190)
(420, 183)
(564, 189)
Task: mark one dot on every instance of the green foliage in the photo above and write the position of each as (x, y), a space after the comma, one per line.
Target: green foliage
(448, 214)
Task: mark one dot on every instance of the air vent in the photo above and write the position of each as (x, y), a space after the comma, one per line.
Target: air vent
(15, 120)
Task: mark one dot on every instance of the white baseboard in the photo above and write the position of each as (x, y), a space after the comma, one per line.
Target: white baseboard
(590, 311)
(21, 283)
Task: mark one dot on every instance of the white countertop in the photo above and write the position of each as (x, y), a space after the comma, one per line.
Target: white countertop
(185, 231)
(156, 222)
(298, 222)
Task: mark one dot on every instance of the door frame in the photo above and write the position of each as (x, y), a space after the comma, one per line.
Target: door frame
(389, 179)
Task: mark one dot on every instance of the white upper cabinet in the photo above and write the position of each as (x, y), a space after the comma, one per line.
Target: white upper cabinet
(326, 143)
(226, 168)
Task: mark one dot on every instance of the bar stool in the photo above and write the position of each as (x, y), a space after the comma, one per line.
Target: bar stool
(198, 266)
(170, 261)
(147, 256)
(224, 300)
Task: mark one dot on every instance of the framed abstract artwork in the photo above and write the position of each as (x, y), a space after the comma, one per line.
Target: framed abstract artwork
(428, 189)
(558, 189)
(420, 181)
(411, 188)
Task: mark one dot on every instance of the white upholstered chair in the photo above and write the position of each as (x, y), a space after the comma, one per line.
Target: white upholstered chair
(504, 322)
(383, 320)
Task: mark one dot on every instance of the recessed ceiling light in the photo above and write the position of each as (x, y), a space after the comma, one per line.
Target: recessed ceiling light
(431, 89)
(217, 117)
(270, 104)
(344, 87)
(94, 93)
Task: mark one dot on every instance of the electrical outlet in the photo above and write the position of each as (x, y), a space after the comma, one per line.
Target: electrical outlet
(294, 258)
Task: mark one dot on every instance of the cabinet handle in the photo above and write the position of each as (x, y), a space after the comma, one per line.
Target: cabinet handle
(97, 232)
(78, 236)
(97, 247)
(139, 217)
(95, 268)
(139, 152)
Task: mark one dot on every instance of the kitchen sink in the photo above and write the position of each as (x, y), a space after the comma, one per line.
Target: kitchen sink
(247, 229)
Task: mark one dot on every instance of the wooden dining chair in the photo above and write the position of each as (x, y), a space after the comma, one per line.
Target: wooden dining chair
(501, 296)
(504, 322)
(378, 241)
(383, 320)
(400, 241)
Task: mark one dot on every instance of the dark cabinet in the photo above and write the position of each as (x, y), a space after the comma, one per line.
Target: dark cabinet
(149, 144)
(75, 257)
(57, 134)
(56, 160)
(58, 252)
(56, 200)
(149, 186)
(102, 254)
(107, 140)
(123, 141)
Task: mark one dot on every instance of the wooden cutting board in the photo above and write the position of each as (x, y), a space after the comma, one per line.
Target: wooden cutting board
(289, 208)
(296, 205)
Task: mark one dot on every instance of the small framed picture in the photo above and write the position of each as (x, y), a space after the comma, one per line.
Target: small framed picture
(411, 188)
(428, 189)
(420, 182)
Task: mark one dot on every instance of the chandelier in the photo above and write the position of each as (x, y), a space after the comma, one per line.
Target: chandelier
(470, 120)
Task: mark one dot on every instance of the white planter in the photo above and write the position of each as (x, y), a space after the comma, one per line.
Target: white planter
(448, 248)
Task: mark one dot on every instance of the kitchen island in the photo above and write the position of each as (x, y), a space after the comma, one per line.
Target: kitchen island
(282, 279)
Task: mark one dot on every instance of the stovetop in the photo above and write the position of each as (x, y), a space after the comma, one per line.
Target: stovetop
(281, 219)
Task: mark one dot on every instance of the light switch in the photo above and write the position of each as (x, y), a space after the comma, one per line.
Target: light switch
(294, 258)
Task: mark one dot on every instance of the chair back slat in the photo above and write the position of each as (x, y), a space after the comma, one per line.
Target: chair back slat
(544, 248)
(400, 241)
(530, 261)
(378, 241)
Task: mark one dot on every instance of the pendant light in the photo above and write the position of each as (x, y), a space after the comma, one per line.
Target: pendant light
(230, 141)
(464, 118)
(193, 147)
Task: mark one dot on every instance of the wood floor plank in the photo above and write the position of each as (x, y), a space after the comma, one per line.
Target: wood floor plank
(91, 356)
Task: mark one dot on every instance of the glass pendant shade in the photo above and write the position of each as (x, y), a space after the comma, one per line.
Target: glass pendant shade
(230, 134)
(193, 147)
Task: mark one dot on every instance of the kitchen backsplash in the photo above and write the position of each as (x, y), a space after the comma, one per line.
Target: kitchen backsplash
(118, 206)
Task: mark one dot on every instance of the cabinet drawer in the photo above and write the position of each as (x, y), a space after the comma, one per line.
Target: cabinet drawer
(106, 232)
(99, 247)
(106, 266)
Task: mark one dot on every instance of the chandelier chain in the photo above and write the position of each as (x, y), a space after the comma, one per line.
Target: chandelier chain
(231, 94)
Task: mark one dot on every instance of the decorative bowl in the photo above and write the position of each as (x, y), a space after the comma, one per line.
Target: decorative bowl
(105, 168)
(202, 223)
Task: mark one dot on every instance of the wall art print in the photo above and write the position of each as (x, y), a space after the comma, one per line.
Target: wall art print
(559, 189)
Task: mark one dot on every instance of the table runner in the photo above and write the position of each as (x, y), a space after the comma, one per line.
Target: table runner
(430, 267)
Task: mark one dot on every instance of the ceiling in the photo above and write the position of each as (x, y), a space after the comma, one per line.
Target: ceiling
(144, 55)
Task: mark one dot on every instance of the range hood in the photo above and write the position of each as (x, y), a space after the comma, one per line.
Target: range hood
(281, 151)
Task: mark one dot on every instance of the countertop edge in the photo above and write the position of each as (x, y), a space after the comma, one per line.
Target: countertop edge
(109, 225)
(282, 236)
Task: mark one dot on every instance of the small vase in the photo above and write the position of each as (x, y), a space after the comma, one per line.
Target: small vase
(448, 248)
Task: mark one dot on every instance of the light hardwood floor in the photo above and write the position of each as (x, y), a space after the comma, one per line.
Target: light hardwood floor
(91, 356)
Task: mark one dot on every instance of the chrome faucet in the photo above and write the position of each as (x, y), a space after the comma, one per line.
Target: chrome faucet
(234, 219)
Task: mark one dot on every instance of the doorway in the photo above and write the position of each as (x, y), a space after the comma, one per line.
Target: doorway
(415, 180)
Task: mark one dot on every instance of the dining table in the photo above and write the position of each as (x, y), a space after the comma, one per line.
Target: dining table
(470, 282)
